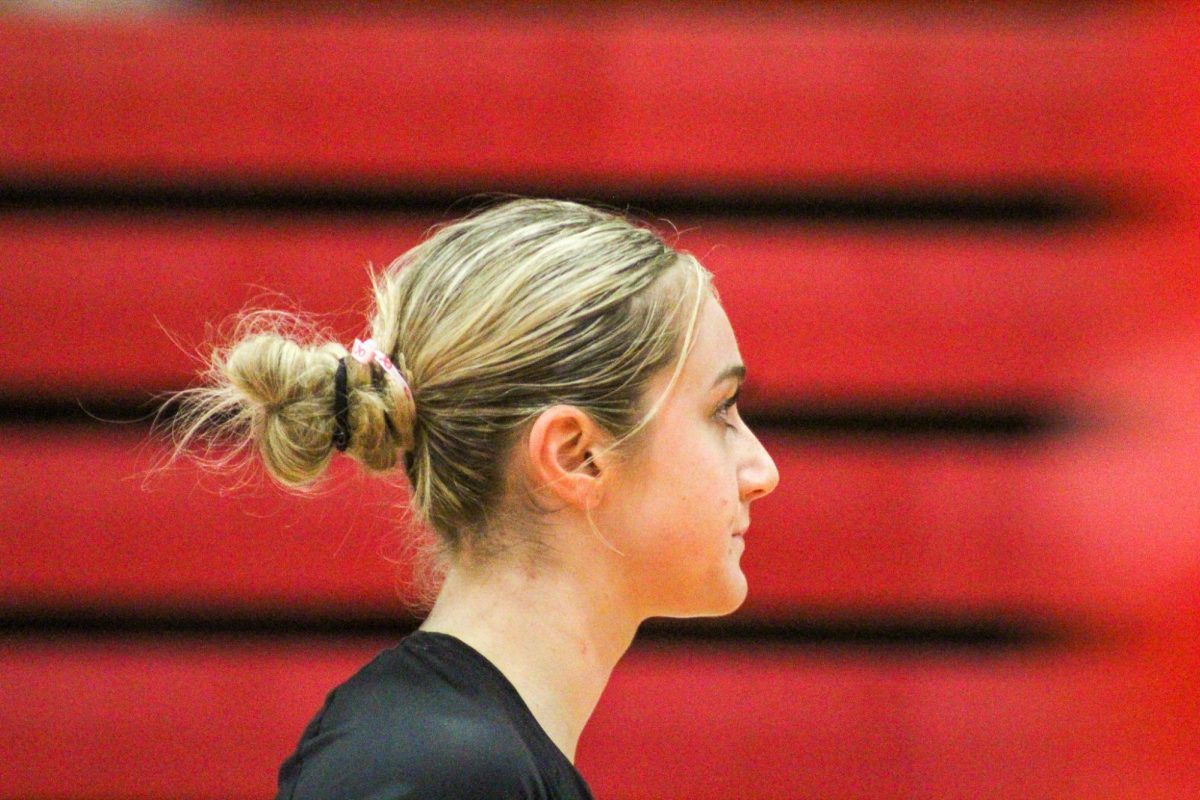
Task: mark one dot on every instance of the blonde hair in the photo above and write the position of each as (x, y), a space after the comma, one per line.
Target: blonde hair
(491, 320)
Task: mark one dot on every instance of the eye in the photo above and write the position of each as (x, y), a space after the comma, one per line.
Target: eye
(726, 406)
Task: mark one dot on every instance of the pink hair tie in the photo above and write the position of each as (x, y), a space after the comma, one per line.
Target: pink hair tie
(366, 352)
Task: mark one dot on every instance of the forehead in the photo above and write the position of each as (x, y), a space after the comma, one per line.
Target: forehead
(714, 350)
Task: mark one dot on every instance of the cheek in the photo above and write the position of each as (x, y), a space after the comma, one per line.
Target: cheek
(684, 496)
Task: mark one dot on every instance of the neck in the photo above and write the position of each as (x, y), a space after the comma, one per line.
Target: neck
(555, 634)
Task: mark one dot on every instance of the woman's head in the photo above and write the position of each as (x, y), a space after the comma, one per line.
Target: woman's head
(491, 320)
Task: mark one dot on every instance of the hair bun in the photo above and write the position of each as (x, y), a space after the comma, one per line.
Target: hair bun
(274, 390)
(282, 391)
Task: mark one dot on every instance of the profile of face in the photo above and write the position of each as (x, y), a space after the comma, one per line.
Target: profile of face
(680, 504)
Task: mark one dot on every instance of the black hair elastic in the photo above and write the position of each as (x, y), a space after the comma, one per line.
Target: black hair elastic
(341, 408)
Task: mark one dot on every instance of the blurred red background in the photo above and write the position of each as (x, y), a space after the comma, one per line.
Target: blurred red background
(958, 244)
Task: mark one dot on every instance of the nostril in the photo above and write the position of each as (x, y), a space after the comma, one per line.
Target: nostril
(759, 489)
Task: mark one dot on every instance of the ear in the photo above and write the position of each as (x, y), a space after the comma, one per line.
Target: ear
(567, 454)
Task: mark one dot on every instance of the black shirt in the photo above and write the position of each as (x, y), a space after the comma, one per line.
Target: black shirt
(429, 718)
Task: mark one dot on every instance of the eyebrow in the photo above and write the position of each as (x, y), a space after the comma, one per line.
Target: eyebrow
(735, 371)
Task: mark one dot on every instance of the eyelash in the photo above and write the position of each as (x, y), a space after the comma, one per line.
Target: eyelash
(723, 409)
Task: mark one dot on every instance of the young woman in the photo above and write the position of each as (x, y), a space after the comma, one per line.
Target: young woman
(560, 387)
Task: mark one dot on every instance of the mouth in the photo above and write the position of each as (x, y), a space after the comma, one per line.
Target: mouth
(740, 531)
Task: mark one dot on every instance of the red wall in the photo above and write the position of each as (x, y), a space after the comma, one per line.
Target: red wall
(959, 247)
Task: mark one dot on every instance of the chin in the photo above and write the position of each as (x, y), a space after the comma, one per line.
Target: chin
(725, 600)
(735, 598)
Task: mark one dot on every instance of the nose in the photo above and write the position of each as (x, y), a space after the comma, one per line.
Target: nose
(758, 476)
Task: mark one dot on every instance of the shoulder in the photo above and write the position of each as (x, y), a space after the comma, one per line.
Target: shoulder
(392, 731)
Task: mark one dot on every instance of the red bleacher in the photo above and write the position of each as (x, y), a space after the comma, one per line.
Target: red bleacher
(1090, 527)
(634, 96)
(862, 526)
(819, 313)
(214, 717)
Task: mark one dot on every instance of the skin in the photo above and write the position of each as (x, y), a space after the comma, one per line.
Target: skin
(657, 533)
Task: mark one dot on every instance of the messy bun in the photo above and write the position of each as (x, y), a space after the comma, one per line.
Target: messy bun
(489, 321)
(276, 389)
